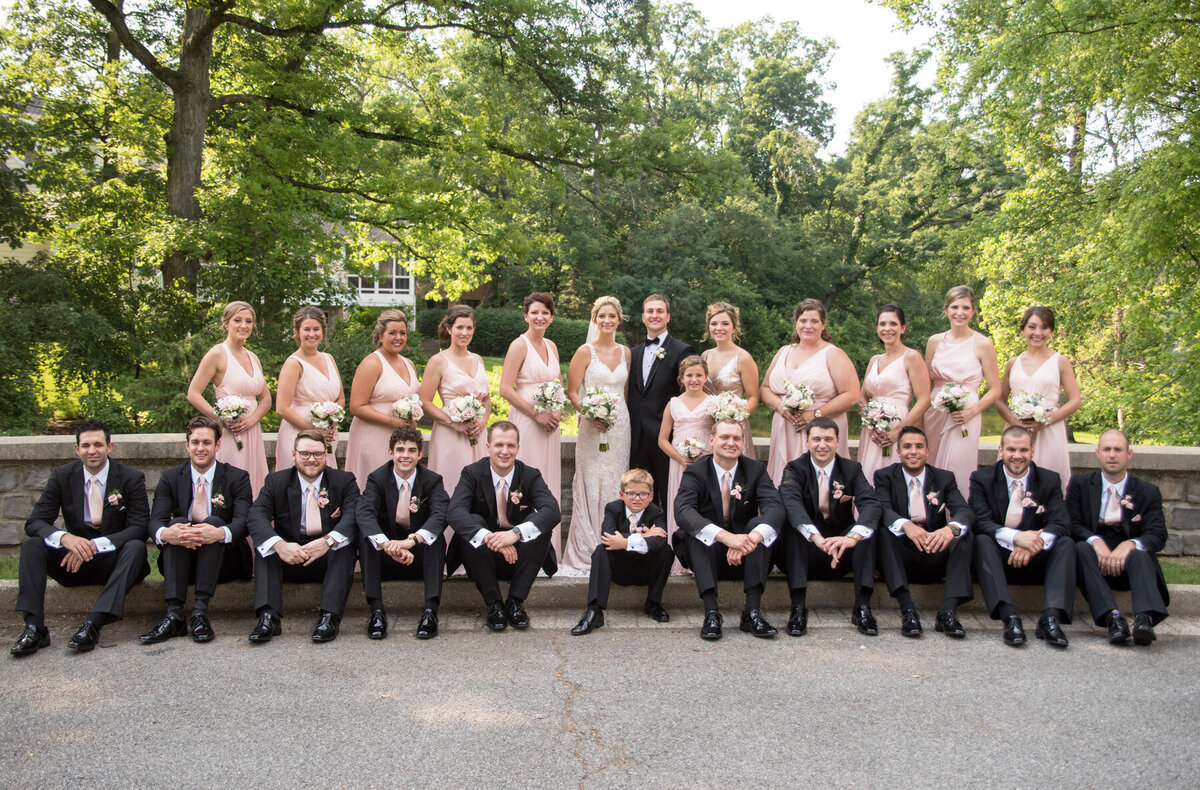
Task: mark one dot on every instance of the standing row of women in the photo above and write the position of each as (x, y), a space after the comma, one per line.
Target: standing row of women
(899, 375)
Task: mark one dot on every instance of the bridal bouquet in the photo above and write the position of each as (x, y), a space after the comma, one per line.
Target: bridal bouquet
(408, 408)
(951, 398)
(325, 414)
(797, 398)
(232, 408)
(1031, 406)
(465, 408)
(549, 396)
(881, 415)
(727, 407)
(691, 449)
(598, 404)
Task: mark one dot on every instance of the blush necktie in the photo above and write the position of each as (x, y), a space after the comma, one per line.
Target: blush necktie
(916, 505)
(312, 513)
(502, 505)
(823, 493)
(1012, 518)
(200, 502)
(95, 501)
(725, 497)
(1112, 508)
(633, 525)
(403, 504)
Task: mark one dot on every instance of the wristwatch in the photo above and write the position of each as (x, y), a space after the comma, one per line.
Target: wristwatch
(955, 529)
(329, 541)
(854, 536)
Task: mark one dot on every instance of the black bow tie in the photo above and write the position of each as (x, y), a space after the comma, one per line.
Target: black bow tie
(652, 341)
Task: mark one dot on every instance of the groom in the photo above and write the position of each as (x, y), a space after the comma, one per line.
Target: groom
(654, 380)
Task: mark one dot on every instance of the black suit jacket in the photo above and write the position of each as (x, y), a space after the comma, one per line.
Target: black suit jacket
(173, 499)
(989, 500)
(648, 398)
(377, 505)
(698, 501)
(1145, 521)
(615, 522)
(279, 506)
(473, 505)
(891, 487)
(121, 522)
(801, 497)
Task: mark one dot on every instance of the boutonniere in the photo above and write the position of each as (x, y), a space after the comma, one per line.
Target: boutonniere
(1127, 502)
(932, 499)
(414, 504)
(217, 499)
(115, 499)
(1029, 501)
(736, 492)
(322, 497)
(662, 352)
(515, 496)
(839, 491)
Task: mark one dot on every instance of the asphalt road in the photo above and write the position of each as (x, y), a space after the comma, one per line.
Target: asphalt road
(635, 704)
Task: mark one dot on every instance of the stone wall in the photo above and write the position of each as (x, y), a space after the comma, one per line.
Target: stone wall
(26, 461)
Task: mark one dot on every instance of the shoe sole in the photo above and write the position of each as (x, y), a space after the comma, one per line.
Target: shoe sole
(377, 636)
(34, 649)
(80, 648)
(426, 636)
(1052, 642)
(952, 634)
(1143, 641)
(710, 637)
(1015, 642)
(911, 634)
(766, 635)
(1118, 640)
(202, 639)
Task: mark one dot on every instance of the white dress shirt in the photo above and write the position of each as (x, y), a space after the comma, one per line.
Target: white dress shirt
(708, 535)
(526, 531)
(339, 540)
(897, 526)
(378, 539)
(810, 530)
(102, 544)
(1006, 536)
(1117, 490)
(649, 355)
(208, 486)
(637, 543)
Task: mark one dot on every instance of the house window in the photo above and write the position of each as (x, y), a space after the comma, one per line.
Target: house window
(388, 279)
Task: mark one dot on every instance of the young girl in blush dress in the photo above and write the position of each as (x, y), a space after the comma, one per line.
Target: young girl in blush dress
(685, 432)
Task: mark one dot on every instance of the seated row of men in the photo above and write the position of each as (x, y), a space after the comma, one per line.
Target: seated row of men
(310, 524)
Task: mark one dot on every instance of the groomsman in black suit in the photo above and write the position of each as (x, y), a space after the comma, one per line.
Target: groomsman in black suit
(401, 518)
(633, 550)
(729, 514)
(925, 535)
(502, 514)
(1118, 526)
(199, 521)
(1022, 537)
(652, 384)
(303, 529)
(820, 491)
(102, 539)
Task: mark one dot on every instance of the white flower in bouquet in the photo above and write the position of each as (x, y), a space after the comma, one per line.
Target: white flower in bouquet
(325, 414)
(601, 405)
(1027, 405)
(549, 396)
(232, 408)
(464, 408)
(408, 408)
(951, 398)
(881, 415)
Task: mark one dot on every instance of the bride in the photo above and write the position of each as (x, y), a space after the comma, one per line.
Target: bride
(602, 362)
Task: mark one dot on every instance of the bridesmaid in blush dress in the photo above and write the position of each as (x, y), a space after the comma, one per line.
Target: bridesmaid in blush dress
(233, 369)
(532, 359)
(813, 360)
(1044, 371)
(731, 367)
(382, 378)
(307, 377)
(960, 355)
(684, 418)
(898, 375)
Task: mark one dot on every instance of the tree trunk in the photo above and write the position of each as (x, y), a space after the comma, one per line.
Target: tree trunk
(185, 143)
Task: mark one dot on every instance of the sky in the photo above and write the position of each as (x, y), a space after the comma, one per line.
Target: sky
(865, 34)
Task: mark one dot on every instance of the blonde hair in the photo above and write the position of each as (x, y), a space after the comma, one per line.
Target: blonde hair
(637, 477)
(961, 292)
(304, 314)
(695, 360)
(715, 309)
(232, 309)
(385, 318)
(610, 301)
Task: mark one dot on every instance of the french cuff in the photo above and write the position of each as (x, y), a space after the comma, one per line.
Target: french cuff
(1092, 540)
(1138, 543)
(897, 527)
(228, 535)
(55, 539)
(809, 531)
(267, 547)
(637, 544)
(158, 535)
(527, 531)
(768, 533)
(104, 545)
(427, 537)
(481, 535)
(862, 531)
(341, 541)
(1048, 540)
(964, 527)
(377, 540)
(708, 535)
(1006, 537)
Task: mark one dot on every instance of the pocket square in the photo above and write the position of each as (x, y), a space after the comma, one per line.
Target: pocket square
(336, 513)
(1136, 518)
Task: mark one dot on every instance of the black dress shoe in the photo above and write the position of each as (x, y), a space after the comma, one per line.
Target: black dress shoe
(268, 626)
(1049, 630)
(427, 626)
(1014, 632)
(168, 628)
(202, 630)
(326, 629)
(910, 623)
(754, 623)
(712, 625)
(34, 638)
(1143, 630)
(861, 616)
(516, 614)
(496, 619)
(85, 638)
(1118, 629)
(377, 625)
(797, 624)
(947, 623)
(656, 612)
(592, 619)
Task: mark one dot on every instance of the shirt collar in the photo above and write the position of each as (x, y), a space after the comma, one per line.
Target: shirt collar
(720, 471)
(304, 484)
(508, 478)
(412, 476)
(828, 468)
(637, 516)
(919, 477)
(208, 476)
(1119, 486)
(1023, 478)
(102, 475)
(661, 339)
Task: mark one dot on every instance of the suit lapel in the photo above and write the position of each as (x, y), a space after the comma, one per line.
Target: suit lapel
(74, 494)
(1001, 493)
(183, 490)
(1095, 489)
(391, 495)
(295, 494)
(635, 362)
(106, 512)
(218, 487)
